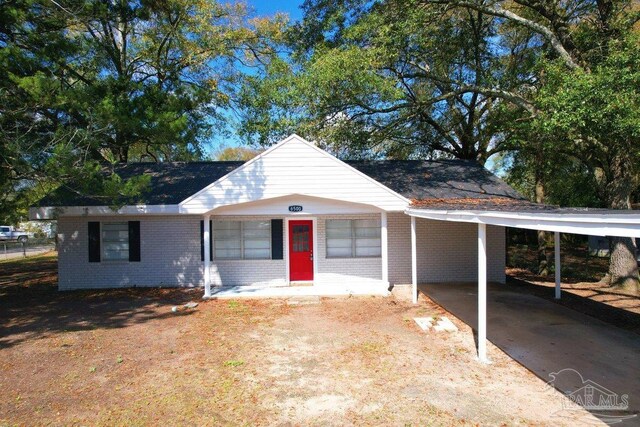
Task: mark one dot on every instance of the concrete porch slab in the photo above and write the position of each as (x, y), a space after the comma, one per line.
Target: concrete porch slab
(316, 290)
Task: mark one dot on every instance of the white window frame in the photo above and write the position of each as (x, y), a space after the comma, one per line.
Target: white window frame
(243, 240)
(353, 238)
(103, 240)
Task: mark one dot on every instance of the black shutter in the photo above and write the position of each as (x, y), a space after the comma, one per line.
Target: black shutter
(134, 241)
(202, 240)
(94, 241)
(276, 239)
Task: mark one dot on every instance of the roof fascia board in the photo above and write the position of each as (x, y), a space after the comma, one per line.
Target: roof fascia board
(597, 225)
(52, 212)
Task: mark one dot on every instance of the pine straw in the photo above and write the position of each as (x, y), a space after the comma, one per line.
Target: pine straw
(468, 201)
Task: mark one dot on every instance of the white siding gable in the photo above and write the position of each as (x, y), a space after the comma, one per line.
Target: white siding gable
(294, 166)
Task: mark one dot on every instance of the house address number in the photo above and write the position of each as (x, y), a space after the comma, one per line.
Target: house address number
(295, 208)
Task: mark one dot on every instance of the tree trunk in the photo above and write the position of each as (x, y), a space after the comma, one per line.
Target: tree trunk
(543, 256)
(623, 263)
(543, 261)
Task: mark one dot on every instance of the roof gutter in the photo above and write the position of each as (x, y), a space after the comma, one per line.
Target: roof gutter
(53, 212)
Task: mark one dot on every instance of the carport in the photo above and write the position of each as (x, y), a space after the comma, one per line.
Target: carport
(547, 338)
(598, 222)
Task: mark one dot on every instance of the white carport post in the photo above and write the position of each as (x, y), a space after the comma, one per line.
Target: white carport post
(414, 262)
(384, 247)
(207, 256)
(482, 293)
(556, 247)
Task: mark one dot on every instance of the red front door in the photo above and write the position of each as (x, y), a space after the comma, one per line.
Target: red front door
(300, 250)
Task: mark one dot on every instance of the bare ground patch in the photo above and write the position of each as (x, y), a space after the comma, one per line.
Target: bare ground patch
(122, 357)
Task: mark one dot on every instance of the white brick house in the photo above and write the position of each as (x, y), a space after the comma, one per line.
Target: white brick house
(293, 214)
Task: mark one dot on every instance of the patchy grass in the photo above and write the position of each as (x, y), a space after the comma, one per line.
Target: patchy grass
(121, 357)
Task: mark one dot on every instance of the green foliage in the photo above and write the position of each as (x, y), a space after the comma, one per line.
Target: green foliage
(237, 153)
(594, 117)
(567, 181)
(392, 78)
(86, 83)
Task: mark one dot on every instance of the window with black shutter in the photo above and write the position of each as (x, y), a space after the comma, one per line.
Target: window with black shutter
(202, 241)
(114, 241)
(277, 251)
(134, 241)
(94, 241)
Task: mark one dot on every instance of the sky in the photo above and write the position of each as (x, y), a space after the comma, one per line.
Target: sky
(271, 7)
(260, 8)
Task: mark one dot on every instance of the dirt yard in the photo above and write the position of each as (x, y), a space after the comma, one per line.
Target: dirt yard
(581, 288)
(577, 264)
(124, 358)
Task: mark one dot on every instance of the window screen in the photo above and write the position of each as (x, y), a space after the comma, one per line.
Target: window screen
(227, 239)
(348, 238)
(242, 239)
(257, 239)
(115, 241)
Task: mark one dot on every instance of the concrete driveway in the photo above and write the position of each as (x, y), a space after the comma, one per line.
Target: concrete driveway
(546, 338)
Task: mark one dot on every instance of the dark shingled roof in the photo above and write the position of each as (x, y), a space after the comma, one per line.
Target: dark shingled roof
(443, 182)
(170, 184)
(437, 179)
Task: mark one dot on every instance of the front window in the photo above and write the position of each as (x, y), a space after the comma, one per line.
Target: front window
(115, 241)
(242, 239)
(256, 239)
(353, 238)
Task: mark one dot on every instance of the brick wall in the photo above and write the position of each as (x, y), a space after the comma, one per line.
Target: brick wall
(446, 251)
(399, 232)
(170, 256)
(349, 270)
(238, 272)
(268, 272)
(170, 249)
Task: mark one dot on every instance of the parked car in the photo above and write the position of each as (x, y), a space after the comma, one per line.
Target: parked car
(8, 233)
(599, 246)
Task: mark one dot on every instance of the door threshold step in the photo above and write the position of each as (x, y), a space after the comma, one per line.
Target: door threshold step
(302, 283)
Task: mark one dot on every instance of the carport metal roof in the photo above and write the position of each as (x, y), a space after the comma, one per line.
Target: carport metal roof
(599, 222)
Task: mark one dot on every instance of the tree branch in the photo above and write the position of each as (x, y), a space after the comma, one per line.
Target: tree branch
(507, 14)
